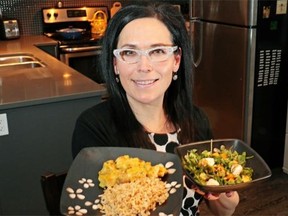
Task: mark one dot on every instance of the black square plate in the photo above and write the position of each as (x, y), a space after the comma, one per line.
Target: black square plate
(261, 171)
(89, 162)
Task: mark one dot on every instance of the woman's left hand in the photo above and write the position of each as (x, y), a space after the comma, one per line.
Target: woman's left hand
(220, 204)
(211, 196)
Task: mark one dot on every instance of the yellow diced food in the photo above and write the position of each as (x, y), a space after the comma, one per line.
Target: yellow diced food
(125, 169)
(246, 178)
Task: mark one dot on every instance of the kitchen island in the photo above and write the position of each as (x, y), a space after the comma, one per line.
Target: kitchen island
(55, 82)
(41, 106)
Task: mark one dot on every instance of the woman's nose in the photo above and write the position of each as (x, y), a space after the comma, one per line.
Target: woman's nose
(144, 63)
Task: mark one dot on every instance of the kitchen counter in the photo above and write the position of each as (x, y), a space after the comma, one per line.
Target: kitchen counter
(55, 82)
(41, 106)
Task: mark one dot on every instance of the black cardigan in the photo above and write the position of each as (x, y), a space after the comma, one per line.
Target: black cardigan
(96, 127)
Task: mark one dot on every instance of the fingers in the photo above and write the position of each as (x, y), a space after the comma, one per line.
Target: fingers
(197, 190)
(211, 196)
(229, 193)
(206, 195)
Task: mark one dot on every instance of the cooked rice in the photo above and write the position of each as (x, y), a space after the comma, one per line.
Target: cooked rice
(135, 198)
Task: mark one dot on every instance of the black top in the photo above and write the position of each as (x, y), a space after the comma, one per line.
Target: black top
(96, 127)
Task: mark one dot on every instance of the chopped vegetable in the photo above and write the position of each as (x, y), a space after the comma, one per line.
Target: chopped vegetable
(218, 167)
(212, 182)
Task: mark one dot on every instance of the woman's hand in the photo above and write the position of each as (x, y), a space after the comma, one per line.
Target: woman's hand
(207, 196)
(223, 204)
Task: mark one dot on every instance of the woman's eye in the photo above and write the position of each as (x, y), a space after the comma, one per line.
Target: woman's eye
(157, 51)
(128, 53)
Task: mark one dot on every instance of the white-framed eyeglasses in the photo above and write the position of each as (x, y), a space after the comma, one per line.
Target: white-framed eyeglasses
(155, 54)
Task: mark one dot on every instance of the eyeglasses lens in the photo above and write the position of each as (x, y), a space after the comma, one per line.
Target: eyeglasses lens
(156, 54)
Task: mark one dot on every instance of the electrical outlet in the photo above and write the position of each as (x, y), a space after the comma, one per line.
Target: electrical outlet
(3, 125)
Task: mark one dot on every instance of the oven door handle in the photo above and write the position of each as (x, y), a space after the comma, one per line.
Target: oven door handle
(80, 49)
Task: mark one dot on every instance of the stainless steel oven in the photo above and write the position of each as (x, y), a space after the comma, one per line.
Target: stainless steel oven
(86, 60)
(80, 51)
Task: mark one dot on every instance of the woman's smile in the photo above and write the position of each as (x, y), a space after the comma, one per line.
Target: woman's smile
(145, 83)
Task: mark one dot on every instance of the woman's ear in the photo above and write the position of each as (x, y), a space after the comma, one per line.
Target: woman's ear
(177, 57)
(115, 67)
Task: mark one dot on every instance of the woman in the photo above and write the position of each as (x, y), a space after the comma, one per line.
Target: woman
(146, 62)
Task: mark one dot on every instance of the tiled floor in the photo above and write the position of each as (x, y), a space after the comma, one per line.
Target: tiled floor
(268, 198)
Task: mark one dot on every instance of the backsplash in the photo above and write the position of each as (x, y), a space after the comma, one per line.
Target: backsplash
(29, 15)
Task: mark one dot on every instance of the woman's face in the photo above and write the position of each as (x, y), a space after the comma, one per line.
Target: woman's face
(146, 81)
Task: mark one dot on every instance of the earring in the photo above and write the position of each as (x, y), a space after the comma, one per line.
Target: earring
(175, 76)
(117, 76)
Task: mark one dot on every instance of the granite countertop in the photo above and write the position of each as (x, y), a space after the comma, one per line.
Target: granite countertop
(55, 82)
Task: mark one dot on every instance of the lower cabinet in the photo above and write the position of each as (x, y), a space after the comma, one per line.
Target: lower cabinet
(39, 140)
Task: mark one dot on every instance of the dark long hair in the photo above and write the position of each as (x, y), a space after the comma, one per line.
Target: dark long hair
(178, 97)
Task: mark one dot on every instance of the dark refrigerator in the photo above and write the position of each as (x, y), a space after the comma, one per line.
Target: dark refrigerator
(240, 65)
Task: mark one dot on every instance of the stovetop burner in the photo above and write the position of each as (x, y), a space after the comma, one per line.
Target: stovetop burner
(84, 40)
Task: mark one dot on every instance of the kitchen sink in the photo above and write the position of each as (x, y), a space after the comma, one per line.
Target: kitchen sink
(9, 59)
(22, 61)
(21, 65)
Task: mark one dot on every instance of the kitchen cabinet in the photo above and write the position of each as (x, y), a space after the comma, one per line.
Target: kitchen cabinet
(39, 140)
